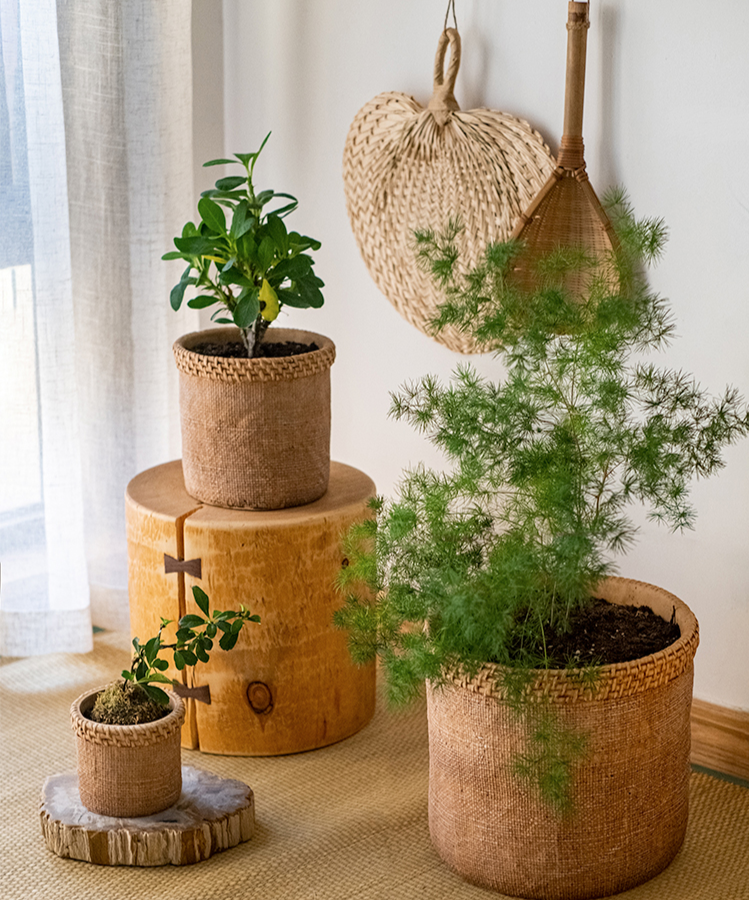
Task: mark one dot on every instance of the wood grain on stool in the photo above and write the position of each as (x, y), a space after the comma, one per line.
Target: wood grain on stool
(212, 814)
(289, 684)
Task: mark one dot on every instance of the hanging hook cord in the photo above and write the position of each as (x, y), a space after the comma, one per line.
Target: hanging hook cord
(450, 6)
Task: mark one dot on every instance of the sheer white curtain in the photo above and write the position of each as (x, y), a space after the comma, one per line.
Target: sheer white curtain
(95, 179)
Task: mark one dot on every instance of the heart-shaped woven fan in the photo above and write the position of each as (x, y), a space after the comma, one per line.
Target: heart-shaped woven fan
(407, 167)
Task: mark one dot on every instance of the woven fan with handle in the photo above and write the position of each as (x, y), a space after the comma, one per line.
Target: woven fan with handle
(407, 167)
(566, 211)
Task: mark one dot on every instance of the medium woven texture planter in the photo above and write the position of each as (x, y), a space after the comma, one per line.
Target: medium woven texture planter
(255, 432)
(630, 790)
(128, 770)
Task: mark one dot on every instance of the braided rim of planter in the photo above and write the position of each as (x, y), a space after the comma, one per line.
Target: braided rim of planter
(283, 368)
(142, 735)
(616, 680)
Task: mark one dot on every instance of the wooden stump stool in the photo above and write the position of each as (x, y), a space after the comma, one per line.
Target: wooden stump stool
(289, 684)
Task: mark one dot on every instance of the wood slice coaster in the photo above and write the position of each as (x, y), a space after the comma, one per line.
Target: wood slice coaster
(213, 814)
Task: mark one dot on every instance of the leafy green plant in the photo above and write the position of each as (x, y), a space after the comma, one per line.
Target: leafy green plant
(476, 563)
(194, 642)
(249, 264)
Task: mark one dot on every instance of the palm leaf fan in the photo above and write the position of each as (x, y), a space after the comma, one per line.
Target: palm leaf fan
(409, 167)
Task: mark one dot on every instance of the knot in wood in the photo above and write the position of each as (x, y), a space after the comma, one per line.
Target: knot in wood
(260, 697)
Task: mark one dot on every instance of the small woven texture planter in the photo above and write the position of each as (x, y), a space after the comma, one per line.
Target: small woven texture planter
(630, 790)
(128, 770)
(408, 167)
(255, 432)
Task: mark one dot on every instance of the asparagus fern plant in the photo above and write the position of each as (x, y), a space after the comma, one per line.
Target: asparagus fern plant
(475, 563)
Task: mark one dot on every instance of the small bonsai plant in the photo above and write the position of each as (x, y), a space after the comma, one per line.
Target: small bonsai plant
(250, 266)
(137, 698)
(486, 561)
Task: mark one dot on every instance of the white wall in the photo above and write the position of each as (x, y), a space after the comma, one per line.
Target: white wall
(666, 116)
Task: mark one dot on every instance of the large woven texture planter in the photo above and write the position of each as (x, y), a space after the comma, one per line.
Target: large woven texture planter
(630, 791)
(255, 432)
(128, 770)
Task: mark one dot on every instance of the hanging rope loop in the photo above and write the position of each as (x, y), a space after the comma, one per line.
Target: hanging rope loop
(443, 101)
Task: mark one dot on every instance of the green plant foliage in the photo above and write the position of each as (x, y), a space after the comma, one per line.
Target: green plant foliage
(549, 762)
(194, 642)
(247, 263)
(473, 564)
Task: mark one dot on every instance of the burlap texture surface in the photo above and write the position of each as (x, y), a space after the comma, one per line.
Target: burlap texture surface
(348, 821)
(255, 433)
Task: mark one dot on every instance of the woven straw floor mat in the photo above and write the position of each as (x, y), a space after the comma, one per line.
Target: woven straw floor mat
(348, 821)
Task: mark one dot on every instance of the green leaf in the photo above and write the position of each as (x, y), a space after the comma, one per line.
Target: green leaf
(189, 657)
(310, 293)
(234, 276)
(239, 220)
(201, 598)
(236, 626)
(127, 675)
(294, 268)
(231, 182)
(212, 215)
(219, 162)
(201, 653)
(191, 621)
(224, 195)
(222, 321)
(308, 243)
(197, 245)
(185, 634)
(179, 660)
(211, 630)
(228, 641)
(265, 252)
(291, 298)
(161, 664)
(246, 247)
(224, 626)
(202, 301)
(247, 309)
(173, 254)
(177, 294)
(264, 197)
(157, 676)
(277, 230)
(156, 694)
(152, 649)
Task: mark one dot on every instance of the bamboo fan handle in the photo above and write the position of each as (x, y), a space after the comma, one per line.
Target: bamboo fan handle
(443, 100)
(571, 151)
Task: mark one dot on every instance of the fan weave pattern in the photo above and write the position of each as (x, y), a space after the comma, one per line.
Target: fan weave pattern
(403, 170)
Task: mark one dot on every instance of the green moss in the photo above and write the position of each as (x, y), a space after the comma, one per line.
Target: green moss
(120, 704)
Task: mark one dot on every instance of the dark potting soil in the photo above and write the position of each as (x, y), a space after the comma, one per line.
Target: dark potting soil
(605, 633)
(237, 350)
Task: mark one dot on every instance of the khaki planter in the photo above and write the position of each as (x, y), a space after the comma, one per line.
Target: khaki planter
(630, 792)
(128, 770)
(255, 432)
